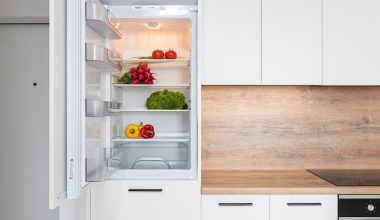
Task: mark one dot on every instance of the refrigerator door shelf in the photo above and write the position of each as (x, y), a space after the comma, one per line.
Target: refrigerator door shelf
(97, 108)
(99, 18)
(102, 58)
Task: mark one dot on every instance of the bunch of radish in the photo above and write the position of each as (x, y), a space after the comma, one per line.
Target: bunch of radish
(141, 74)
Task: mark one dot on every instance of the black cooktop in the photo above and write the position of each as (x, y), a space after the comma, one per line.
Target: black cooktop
(349, 177)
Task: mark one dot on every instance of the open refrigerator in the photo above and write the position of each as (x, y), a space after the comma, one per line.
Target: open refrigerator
(104, 42)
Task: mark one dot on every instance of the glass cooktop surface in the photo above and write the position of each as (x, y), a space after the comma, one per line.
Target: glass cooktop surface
(349, 177)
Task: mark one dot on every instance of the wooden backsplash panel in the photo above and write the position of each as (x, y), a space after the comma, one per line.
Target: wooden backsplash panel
(290, 127)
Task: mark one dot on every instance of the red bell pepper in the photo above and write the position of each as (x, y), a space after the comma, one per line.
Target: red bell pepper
(147, 131)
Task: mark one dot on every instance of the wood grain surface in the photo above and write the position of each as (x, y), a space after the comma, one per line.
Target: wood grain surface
(290, 127)
(274, 182)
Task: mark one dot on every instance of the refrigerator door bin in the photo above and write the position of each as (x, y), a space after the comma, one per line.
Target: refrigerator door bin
(98, 18)
(96, 164)
(102, 58)
(97, 108)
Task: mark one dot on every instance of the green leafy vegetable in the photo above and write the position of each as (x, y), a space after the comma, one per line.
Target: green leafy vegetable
(126, 78)
(166, 100)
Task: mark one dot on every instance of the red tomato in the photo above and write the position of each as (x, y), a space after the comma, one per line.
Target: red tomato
(158, 54)
(171, 54)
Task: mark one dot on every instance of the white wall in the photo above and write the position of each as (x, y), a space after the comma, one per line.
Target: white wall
(24, 11)
(24, 126)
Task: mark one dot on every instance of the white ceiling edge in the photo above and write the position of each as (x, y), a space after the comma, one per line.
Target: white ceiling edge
(150, 2)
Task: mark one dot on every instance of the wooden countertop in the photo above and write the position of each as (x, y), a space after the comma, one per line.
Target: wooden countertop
(274, 182)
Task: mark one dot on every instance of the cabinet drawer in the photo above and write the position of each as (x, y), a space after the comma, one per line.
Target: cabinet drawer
(304, 207)
(221, 207)
(140, 200)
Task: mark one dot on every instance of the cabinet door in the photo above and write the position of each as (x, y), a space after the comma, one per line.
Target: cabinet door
(231, 42)
(308, 207)
(351, 42)
(292, 42)
(140, 200)
(222, 207)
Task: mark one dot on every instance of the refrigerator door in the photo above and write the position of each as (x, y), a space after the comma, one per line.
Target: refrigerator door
(89, 101)
(75, 95)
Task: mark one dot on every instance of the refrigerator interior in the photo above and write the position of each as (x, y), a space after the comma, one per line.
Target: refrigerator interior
(108, 153)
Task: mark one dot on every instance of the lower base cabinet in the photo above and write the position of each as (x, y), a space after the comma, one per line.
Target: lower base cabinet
(235, 207)
(310, 207)
(274, 207)
(146, 200)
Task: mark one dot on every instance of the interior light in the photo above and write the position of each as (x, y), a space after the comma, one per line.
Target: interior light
(153, 25)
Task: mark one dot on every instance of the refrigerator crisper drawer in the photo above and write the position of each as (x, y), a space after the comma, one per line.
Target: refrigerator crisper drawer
(98, 19)
(102, 58)
(154, 156)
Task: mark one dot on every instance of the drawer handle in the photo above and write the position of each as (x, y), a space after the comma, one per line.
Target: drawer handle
(145, 190)
(236, 204)
(305, 204)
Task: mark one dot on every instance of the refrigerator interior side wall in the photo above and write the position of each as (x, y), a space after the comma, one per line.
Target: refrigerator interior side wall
(194, 94)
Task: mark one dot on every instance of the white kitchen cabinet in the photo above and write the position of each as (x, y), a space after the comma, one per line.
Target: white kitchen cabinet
(235, 207)
(231, 42)
(140, 200)
(351, 42)
(297, 207)
(292, 42)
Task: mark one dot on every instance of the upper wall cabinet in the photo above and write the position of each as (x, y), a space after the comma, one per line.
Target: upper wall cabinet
(351, 42)
(292, 42)
(24, 11)
(231, 42)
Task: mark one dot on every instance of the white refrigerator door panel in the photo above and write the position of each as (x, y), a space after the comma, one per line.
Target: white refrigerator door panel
(75, 95)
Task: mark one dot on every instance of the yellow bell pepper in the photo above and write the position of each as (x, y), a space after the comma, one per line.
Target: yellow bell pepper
(132, 131)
